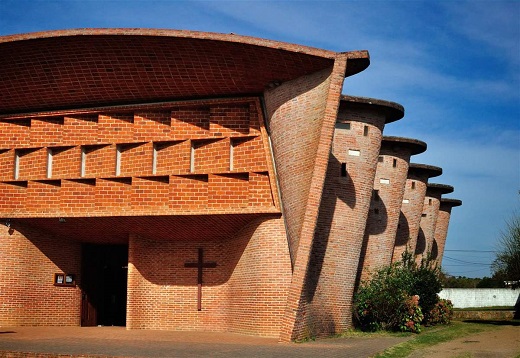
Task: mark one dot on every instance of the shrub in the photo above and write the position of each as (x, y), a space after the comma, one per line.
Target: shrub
(441, 313)
(412, 316)
(401, 297)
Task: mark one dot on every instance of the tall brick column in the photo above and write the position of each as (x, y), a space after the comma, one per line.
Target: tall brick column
(387, 197)
(411, 209)
(343, 211)
(441, 228)
(429, 216)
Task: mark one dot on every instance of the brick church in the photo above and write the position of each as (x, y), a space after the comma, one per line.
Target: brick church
(178, 180)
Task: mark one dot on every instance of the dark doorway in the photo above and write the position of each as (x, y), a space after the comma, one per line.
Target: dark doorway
(103, 282)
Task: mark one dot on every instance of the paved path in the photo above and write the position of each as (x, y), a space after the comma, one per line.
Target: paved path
(47, 342)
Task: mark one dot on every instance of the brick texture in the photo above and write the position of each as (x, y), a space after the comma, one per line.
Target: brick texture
(411, 208)
(441, 228)
(385, 207)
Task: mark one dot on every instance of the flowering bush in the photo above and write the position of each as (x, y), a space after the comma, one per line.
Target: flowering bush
(411, 316)
(441, 313)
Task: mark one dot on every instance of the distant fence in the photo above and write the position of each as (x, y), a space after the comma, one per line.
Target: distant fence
(481, 297)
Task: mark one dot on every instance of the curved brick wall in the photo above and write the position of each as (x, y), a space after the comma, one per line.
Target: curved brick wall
(343, 210)
(441, 227)
(387, 198)
(429, 216)
(411, 208)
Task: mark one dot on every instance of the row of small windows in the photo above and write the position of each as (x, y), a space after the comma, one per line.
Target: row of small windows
(119, 150)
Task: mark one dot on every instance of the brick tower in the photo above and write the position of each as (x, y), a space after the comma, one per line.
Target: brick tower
(429, 215)
(412, 207)
(387, 198)
(343, 210)
(441, 227)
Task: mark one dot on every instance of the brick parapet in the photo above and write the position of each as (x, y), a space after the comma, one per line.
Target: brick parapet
(387, 198)
(441, 227)
(411, 208)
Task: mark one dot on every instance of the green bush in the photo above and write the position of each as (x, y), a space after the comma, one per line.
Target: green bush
(401, 297)
(441, 313)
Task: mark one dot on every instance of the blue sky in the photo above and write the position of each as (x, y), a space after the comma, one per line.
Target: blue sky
(453, 65)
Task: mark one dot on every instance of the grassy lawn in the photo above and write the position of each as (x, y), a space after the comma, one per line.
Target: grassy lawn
(434, 335)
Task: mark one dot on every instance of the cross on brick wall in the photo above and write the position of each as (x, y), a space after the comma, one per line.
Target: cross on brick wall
(200, 265)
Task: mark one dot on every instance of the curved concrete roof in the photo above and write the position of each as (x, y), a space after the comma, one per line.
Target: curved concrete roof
(392, 111)
(430, 170)
(442, 188)
(451, 202)
(416, 146)
(97, 67)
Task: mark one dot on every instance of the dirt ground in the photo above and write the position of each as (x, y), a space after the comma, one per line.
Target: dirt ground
(502, 342)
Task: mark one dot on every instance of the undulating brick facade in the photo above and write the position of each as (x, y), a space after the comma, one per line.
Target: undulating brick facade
(429, 215)
(412, 207)
(441, 227)
(386, 201)
(180, 180)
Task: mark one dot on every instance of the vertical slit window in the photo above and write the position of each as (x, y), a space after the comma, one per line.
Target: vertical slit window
(154, 159)
(343, 169)
(429, 201)
(394, 163)
(231, 146)
(413, 185)
(365, 131)
(192, 158)
(83, 161)
(49, 162)
(16, 164)
(118, 160)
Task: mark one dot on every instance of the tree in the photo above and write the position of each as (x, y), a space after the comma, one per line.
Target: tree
(507, 261)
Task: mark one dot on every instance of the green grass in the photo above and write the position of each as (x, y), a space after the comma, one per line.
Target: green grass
(435, 335)
(494, 308)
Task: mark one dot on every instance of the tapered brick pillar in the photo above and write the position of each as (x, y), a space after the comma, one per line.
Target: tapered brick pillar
(387, 197)
(441, 227)
(411, 209)
(343, 211)
(429, 216)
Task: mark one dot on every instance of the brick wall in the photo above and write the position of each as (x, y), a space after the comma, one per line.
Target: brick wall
(385, 207)
(244, 293)
(127, 159)
(411, 209)
(29, 261)
(429, 219)
(441, 228)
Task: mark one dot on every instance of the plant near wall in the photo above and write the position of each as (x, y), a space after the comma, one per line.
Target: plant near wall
(401, 297)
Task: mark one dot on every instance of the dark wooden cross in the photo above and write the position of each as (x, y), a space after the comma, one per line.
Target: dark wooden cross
(200, 264)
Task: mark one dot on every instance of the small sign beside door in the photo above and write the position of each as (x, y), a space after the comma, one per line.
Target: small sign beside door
(64, 279)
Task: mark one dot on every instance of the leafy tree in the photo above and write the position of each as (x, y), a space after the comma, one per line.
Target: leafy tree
(507, 261)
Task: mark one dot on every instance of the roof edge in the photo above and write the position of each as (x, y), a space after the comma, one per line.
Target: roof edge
(451, 202)
(393, 111)
(430, 170)
(443, 188)
(416, 146)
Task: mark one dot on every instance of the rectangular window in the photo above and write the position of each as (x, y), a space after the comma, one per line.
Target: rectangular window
(83, 161)
(423, 215)
(118, 160)
(354, 153)
(394, 164)
(16, 164)
(406, 201)
(49, 162)
(343, 169)
(429, 201)
(192, 158)
(343, 125)
(231, 146)
(380, 159)
(365, 131)
(413, 185)
(154, 159)
(384, 181)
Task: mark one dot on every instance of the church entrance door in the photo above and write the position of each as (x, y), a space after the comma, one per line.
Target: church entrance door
(104, 282)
